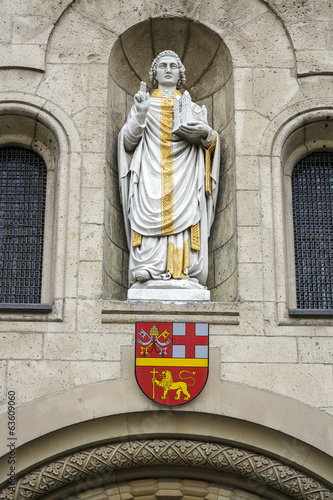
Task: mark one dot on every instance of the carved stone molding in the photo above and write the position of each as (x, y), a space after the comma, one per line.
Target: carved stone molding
(168, 452)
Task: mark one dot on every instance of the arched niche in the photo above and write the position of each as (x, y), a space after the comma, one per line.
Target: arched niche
(209, 80)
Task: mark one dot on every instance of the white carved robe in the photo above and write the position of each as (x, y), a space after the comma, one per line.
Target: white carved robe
(167, 213)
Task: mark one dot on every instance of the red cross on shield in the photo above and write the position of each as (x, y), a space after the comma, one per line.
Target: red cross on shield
(171, 360)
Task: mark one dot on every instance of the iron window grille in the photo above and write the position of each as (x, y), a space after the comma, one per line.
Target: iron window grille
(312, 195)
(22, 208)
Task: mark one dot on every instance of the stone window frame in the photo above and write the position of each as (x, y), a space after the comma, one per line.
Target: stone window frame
(306, 135)
(47, 216)
(27, 126)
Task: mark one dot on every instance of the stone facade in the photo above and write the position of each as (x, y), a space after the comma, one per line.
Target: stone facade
(264, 70)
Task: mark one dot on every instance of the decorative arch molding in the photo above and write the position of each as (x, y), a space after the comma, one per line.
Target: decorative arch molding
(31, 122)
(83, 417)
(289, 120)
(294, 133)
(113, 457)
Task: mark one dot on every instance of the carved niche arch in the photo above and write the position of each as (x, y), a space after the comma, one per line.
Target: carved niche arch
(209, 80)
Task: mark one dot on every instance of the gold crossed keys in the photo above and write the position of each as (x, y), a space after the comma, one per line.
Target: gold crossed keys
(168, 384)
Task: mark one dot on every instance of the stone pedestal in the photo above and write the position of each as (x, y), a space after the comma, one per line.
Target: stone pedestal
(169, 290)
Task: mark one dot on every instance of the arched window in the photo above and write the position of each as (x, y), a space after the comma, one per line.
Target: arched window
(22, 210)
(312, 199)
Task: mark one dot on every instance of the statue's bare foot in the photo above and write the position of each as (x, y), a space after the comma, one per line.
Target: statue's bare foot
(142, 276)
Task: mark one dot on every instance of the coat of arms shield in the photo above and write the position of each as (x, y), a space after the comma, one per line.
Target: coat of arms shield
(171, 360)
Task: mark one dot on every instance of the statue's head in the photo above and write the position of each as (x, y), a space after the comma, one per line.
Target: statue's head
(153, 69)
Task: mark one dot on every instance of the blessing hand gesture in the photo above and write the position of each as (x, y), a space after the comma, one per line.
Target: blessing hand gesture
(142, 102)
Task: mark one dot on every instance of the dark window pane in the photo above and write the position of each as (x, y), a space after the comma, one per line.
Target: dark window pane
(312, 187)
(22, 209)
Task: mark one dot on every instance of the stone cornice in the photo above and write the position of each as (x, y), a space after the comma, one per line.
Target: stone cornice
(167, 452)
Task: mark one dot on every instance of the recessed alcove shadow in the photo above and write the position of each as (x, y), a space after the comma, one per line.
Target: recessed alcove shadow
(210, 81)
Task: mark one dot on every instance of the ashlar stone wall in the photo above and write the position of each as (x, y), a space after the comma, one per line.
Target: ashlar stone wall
(272, 73)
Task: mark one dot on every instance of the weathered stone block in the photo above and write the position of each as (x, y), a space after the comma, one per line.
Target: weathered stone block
(21, 345)
(92, 205)
(91, 242)
(230, 15)
(116, 17)
(39, 378)
(247, 172)
(90, 279)
(98, 347)
(322, 10)
(93, 170)
(314, 61)
(227, 290)
(92, 125)
(19, 80)
(250, 281)
(84, 41)
(319, 135)
(31, 30)
(225, 261)
(261, 42)
(223, 105)
(243, 82)
(223, 228)
(53, 8)
(6, 28)
(248, 208)
(251, 320)
(18, 7)
(73, 78)
(285, 87)
(249, 244)
(311, 384)
(259, 349)
(316, 350)
(293, 10)
(114, 258)
(249, 129)
(310, 35)
(317, 86)
(98, 85)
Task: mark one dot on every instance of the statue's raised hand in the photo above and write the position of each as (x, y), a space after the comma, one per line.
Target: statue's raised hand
(142, 103)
